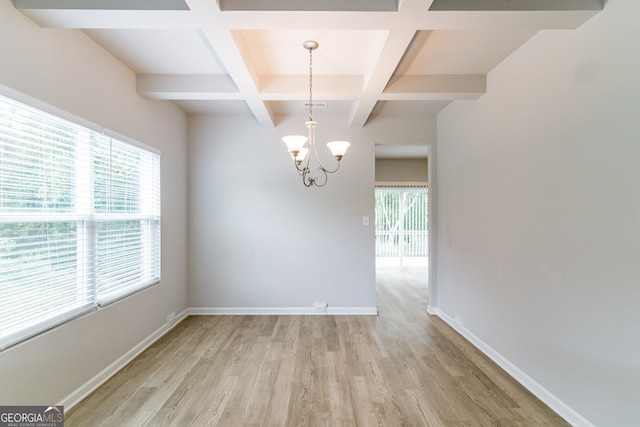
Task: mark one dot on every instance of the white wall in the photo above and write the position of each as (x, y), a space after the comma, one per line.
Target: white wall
(539, 213)
(67, 70)
(259, 240)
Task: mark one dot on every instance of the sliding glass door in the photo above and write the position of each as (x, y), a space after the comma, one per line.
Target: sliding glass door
(401, 227)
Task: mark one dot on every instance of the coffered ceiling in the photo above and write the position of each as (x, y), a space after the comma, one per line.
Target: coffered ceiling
(376, 57)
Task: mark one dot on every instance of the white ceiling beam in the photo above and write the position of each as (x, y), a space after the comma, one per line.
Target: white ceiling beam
(184, 87)
(309, 5)
(296, 87)
(326, 88)
(218, 30)
(506, 20)
(526, 5)
(113, 19)
(232, 53)
(394, 47)
(422, 20)
(318, 5)
(102, 4)
(390, 55)
(427, 86)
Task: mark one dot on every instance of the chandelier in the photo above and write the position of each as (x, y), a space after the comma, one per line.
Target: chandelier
(303, 148)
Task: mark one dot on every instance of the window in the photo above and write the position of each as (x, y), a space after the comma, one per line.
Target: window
(401, 227)
(79, 220)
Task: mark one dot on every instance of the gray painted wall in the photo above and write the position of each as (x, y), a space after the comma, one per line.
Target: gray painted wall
(259, 240)
(539, 213)
(66, 69)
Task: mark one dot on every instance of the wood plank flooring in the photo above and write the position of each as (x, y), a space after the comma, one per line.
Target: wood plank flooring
(400, 368)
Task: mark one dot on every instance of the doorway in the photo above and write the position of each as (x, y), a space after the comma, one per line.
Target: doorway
(402, 240)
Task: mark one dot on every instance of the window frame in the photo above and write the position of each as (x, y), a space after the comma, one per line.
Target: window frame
(86, 218)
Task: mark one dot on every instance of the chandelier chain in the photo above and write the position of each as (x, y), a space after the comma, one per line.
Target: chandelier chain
(310, 84)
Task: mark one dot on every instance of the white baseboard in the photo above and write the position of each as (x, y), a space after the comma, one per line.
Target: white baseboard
(357, 311)
(282, 311)
(87, 388)
(561, 408)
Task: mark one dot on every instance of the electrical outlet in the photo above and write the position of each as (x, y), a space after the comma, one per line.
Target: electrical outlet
(319, 307)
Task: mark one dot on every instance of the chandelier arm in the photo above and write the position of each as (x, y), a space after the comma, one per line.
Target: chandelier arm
(324, 169)
(307, 180)
(326, 177)
(301, 169)
(333, 170)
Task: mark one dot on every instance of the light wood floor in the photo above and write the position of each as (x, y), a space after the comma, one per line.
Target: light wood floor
(401, 368)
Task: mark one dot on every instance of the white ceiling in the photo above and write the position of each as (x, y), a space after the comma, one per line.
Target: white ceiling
(376, 57)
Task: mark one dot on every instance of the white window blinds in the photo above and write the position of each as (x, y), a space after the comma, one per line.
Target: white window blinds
(79, 220)
(127, 212)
